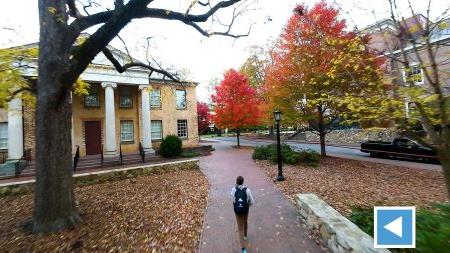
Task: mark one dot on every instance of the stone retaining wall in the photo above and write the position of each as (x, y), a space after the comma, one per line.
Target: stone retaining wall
(23, 187)
(354, 136)
(340, 234)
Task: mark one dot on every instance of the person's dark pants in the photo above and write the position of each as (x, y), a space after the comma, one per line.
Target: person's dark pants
(241, 220)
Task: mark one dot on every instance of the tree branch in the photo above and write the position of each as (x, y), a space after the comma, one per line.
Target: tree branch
(114, 21)
(226, 33)
(13, 94)
(83, 23)
(126, 66)
(73, 11)
(193, 3)
(118, 3)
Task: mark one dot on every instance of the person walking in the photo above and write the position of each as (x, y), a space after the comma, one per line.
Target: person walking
(242, 200)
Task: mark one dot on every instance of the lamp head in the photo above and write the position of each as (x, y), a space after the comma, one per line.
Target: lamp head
(277, 115)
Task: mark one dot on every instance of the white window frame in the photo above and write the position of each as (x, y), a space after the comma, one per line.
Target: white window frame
(160, 132)
(122, 140)
(185, 134)
(5, 133)
(125, 92)
(153, 99)
(185, 99)
(93, 92)
(411, 66)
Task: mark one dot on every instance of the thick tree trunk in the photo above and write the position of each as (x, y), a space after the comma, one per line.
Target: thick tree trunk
(323, 151)
(271, 131)
(444, 158)
(237, 136)
(322, 133)
(54, 205)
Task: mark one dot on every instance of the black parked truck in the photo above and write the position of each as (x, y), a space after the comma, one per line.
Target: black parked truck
(400, 147)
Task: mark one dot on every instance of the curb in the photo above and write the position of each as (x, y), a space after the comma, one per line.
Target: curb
(302, 142)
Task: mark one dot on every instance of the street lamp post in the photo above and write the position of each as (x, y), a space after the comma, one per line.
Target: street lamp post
(277, 116)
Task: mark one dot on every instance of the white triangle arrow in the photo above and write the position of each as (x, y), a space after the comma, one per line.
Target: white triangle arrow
(395, 226)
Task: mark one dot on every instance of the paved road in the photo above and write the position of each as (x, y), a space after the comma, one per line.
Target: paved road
(343, 152)
(273, 220)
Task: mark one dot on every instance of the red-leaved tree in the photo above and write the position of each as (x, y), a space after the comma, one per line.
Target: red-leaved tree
(203, 117)
(236, 105)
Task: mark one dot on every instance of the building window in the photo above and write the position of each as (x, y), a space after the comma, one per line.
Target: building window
(155, 99)
(126, 131)
(156, 130)
(410, 107)
(3, 135)
(182, 128)
(181, 99)
(93, 99)
(126, 97)
(415, 74)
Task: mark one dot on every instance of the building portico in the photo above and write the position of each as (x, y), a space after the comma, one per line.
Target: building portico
(122, 112)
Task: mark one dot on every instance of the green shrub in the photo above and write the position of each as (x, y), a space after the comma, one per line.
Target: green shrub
(432, 227)
(171, 146)
(273, 158)
(270, 153)
(310, 157)
(190, 154)
(261, 153)
(289, 156)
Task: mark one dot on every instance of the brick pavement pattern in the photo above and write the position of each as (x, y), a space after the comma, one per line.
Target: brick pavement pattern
(273, 221)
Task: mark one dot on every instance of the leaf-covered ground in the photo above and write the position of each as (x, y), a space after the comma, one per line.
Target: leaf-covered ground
(154, 213)
(344, 183)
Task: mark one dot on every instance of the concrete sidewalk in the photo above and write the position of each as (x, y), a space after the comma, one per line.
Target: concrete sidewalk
(273, 221)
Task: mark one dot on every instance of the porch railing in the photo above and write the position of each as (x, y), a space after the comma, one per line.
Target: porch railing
(120, 154)
(76, 158)
(142, 152)
(3, 157)
(101, 156)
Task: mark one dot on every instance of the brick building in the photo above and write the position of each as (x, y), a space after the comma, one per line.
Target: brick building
(121, 111)
(386, 41)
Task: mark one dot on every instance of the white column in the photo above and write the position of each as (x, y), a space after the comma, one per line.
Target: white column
(146, 128)
(15, 129)
(110, 148)
(71, 130)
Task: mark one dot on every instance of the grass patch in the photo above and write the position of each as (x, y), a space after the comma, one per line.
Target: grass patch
(204, 136)
(188, 154)
(432, 227)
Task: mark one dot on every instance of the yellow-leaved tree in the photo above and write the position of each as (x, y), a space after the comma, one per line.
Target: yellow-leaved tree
(317, 65)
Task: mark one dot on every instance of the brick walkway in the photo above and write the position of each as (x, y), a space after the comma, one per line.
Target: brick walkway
(273, 220)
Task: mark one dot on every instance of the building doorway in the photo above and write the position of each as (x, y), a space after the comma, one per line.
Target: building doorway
(93, 137)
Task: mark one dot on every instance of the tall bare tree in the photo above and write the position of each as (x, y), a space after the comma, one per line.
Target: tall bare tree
(416, 48)
(432, 103)
(61, 61)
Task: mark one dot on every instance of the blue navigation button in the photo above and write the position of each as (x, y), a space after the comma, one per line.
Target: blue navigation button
(394, 227)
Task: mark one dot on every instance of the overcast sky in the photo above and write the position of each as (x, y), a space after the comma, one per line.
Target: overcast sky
(183, 47)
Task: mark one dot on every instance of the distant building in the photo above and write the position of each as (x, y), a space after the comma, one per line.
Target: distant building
(386, 40)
